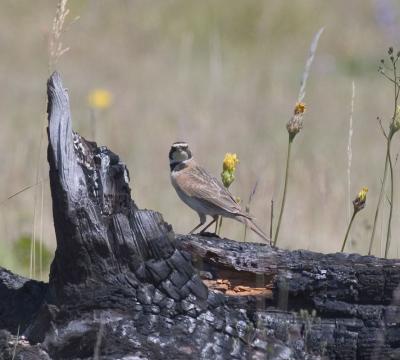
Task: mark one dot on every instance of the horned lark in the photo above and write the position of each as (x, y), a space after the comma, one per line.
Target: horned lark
(203, 192)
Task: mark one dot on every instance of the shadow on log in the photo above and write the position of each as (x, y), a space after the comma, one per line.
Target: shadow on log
(124, 286)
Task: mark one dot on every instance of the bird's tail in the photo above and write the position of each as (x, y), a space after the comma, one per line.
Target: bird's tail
(253, 226)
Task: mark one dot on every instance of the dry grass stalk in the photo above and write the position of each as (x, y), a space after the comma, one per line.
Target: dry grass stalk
(313, 49)
(295, 124)
(33, 240)
(56, 48)
(349, 150)
(3, 202)
(32, 266)
(41, 234)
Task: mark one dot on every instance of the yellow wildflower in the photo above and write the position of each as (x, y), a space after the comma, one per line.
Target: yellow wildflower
(228, 169)
(99, 99)
(360, 200)
(300, 108)
(295, 124)
(230, 161)
(359, 204)
(362, 195)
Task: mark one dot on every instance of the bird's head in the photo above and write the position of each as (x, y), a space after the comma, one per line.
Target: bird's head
(179, 153)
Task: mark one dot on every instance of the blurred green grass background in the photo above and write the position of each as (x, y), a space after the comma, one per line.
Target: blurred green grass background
(223, 75)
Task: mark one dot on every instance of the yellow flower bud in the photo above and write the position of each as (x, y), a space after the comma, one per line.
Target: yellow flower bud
(300, 108)
(359, 201)
(362, 195)
(228, 169)
(295, 124)
(230, 161)
(227, 178)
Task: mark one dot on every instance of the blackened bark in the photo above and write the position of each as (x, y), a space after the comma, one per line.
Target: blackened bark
(106, 247)
(123, 284)
(310, 279)
(20, 299)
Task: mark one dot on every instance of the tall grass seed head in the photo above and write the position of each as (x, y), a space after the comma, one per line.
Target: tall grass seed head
(295, 124)
(228, 169)
(100, 99)
(360, 200)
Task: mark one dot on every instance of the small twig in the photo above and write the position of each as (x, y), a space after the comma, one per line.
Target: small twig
(389, 78)
(381, 127)
(383, 65)
(22, 190)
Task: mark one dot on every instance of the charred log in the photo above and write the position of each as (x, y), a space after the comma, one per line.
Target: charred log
(20, 299)
(122, 284)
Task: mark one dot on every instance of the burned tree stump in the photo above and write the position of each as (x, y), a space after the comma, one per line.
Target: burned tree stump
(124, 286)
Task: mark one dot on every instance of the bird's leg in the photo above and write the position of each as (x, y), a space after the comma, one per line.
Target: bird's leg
(212, 222)
(193, 230)
(202, 221)
(216, 225)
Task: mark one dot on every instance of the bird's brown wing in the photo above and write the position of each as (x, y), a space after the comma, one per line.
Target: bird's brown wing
(198, 183)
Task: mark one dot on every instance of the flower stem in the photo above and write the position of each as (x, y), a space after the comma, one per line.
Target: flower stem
(284, 190)
(379, 201)
(389, 228)
(389, 157)
(348, 230)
